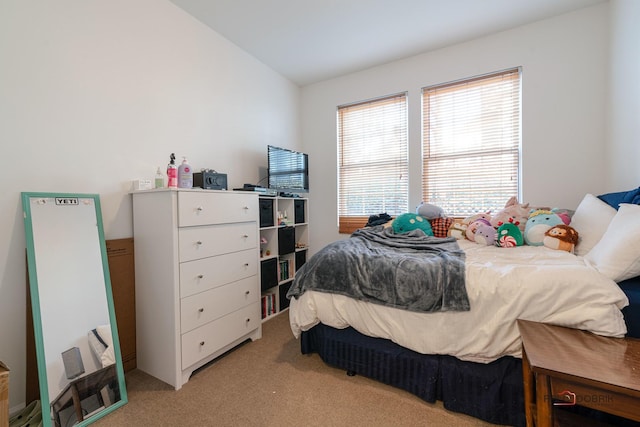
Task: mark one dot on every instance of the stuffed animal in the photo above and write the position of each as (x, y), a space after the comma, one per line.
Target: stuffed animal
(468, 220)
(486, 235)
(440, 226)
(509, 235)
(429, 211)
(457, 230)
(539, 222)
(561, 237)
(517, 212)
(473, 222)
(408, 222)
(473, 227)
(564, 215)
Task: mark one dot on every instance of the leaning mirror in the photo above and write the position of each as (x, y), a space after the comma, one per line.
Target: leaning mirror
(79, 363)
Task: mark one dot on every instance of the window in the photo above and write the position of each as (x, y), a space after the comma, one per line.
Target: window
(471, 143)
(372, 160)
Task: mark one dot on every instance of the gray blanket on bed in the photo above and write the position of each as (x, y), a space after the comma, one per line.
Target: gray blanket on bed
(409, 271)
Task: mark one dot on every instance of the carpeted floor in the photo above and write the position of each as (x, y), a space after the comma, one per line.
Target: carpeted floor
(270, 383)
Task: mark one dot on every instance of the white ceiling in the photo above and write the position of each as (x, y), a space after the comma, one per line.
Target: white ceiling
(312, 40)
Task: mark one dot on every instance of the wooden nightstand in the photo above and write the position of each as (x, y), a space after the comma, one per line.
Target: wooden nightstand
(91, 384)
(563, 366)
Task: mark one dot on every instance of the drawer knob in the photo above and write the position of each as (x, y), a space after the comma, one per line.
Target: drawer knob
(246, 264)
(244, 236)
(247, 292)
(201, 343)
(246, 208)
(248, 320)
(201, 310)
(199, 208)
(199, 242)
(200, 276)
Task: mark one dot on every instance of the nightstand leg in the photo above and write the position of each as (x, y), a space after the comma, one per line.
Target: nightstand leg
(77, 403)
(544, 404)
(529, 390)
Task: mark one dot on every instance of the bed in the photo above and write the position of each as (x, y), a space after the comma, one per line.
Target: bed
(470, 358)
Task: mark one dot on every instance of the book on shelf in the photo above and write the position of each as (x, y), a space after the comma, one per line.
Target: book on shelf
(285, 269)
(268, 305)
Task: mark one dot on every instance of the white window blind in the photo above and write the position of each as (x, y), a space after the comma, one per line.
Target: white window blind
(373, 158)
(471, 143)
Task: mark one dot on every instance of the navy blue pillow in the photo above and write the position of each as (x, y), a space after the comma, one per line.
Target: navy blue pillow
(614, 199)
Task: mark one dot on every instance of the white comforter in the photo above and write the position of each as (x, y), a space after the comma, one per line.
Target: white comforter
(503, 284)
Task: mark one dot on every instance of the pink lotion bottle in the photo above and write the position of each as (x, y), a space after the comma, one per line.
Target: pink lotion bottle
(172, 172)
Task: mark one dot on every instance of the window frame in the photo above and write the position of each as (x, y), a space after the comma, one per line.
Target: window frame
(349, 223)
(513, 152)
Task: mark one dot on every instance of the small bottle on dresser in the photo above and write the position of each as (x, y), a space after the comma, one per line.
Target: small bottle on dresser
(172, 172)
(159, 181)
(185, 175)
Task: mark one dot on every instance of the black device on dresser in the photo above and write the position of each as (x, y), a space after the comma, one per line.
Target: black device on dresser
(210, 180)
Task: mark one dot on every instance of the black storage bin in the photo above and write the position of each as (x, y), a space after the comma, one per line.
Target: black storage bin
(268, 274)
(266, 213)
(301, 258)
(286, 240)
(284, 301)
(298, 210)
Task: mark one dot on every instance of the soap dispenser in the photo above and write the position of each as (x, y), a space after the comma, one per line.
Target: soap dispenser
(172, 172)
(159, 181)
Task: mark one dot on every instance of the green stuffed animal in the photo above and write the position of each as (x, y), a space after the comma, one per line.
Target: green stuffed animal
(408, 222)
(509, 235)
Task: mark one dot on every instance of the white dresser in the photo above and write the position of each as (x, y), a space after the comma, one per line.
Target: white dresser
(197, 283)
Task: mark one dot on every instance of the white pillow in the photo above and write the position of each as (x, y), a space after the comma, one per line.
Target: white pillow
(103, 347)
(591, 219)
(617, 254)
(108, 357)
(97, 348)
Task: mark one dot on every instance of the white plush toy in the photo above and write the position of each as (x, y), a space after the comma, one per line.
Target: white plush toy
(429, 211)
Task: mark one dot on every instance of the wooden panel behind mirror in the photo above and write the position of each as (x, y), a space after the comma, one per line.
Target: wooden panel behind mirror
(122, 270)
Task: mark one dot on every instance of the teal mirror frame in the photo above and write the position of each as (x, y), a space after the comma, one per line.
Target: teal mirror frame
(27, 199)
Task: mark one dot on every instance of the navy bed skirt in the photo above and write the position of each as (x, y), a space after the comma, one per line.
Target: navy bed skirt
(631, 313)
(492, 392)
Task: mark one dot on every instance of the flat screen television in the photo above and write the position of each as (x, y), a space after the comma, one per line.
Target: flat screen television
(288, 170)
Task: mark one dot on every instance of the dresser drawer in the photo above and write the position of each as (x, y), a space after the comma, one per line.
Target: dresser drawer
(204, 307)
(208, 273)
(213, 336)
(198, 208)
(202, 242)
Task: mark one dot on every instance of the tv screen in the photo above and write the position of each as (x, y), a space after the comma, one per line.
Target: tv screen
(288, 170)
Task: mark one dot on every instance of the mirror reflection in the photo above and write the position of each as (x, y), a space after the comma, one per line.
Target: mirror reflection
(79, 364)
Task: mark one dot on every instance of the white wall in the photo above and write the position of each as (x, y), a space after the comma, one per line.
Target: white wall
(564, 62)
(624, 100)
(94, 94)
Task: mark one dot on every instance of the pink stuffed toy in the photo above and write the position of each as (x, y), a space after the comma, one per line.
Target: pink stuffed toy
(513, 212)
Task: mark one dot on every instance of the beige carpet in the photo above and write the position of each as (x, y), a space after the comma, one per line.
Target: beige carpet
(270, 383)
